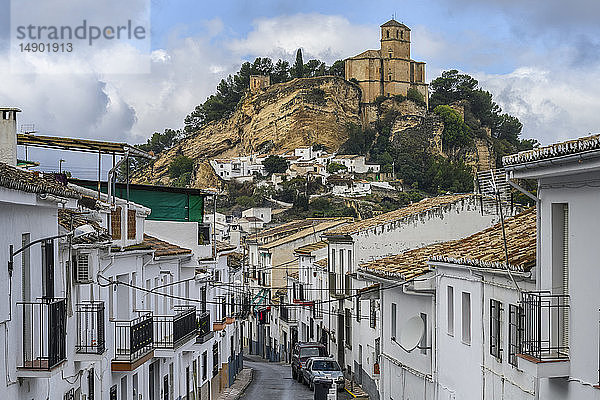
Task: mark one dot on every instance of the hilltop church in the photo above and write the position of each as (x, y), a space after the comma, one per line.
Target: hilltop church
(388, 71)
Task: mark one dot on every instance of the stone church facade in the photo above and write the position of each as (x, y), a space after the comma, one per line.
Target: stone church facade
(389, 70)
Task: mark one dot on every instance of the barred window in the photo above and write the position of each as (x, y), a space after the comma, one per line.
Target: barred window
(372, 314)
(495, 328)
(514, 332)
(348, 326)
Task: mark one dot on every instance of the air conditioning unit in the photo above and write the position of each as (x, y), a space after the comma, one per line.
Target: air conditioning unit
(83, 271)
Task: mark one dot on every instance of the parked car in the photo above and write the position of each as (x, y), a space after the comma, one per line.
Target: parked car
(323, 368)
(301, 353)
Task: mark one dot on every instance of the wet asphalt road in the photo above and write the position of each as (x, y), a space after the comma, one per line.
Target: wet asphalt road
(273, 381)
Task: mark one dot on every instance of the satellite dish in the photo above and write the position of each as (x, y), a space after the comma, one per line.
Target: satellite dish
(411, 333)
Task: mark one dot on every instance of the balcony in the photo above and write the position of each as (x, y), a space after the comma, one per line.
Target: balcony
(90, 330)
(288, 314)
(173, 331)
(44, 337)
(545, 334)
(134, 343)
(205, 332)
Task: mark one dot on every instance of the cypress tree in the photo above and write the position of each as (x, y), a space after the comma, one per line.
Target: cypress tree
(299, 65)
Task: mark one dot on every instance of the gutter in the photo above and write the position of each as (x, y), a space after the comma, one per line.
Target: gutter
(554, 161)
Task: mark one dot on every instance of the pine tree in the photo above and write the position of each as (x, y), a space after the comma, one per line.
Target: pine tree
(299, 65)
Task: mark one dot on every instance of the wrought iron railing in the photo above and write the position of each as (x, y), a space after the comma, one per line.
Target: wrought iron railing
(545, 325)
(170, 331)
(134, 338)
(205, 331)
(90, 327)
(44, 333)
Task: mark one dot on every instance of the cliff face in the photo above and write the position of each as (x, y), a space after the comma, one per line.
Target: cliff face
(298, 113)
(275, 120)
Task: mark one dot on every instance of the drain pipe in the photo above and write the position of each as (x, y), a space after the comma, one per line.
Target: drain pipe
(112, 172)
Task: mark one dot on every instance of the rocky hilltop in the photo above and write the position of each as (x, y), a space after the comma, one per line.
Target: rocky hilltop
(298, 113)
(274, 120)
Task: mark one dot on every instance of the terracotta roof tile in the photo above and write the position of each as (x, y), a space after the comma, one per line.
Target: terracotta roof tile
(162, 248)
(289, 227)
(420, 207)
(34, 182)
(484, 249)
(309, 248)
(70, 219)
(313, 229)
(575, 146)
(224, 246)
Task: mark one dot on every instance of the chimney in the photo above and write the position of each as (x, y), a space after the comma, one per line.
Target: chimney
(8, 135)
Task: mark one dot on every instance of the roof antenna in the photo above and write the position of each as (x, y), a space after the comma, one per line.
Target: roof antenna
(497, 193)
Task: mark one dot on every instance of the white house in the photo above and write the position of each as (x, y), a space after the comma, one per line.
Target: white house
(429, 221)
(560, 343)
(465, 305)
(355, 163)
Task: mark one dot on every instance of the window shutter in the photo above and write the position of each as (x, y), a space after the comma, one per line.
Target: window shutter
(115, 223)
(130, 224)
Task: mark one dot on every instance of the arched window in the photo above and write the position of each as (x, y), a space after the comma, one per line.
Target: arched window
(390, 53)
(402, 35)
(387, 34)
(396, 33)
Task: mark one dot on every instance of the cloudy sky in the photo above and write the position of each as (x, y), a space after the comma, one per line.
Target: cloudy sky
(540, 59)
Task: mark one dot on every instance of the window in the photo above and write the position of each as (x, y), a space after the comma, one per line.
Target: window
(466, 317)
(350, 261)
(450, 311)
(341, 261)
(495, 327)
(514, 333)
(48, 268)
(372, 314)
(423, 343)
(204, 365)
(393, 323)
(357, 308)
(203, 299)
(90, 378)
(348, 328)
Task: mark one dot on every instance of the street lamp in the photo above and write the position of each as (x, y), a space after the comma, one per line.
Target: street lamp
(80, 231)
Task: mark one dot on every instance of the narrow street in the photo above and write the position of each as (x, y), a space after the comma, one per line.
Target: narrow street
(273, 381)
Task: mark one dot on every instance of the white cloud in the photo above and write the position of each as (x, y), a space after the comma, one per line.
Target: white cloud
(552, 100)
(326, 37)
(551, 104)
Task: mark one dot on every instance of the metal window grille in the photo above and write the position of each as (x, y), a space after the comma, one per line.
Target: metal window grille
(372, 314)
(514, 333)
(495, 328)
(348, 328)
